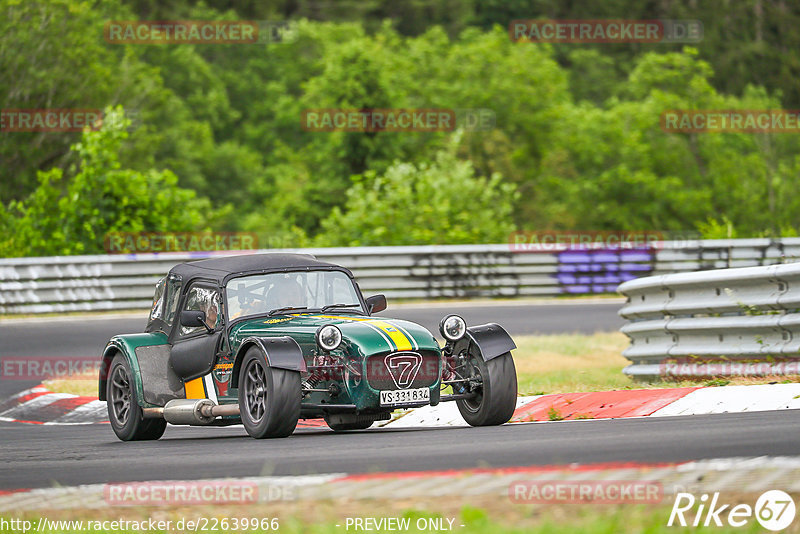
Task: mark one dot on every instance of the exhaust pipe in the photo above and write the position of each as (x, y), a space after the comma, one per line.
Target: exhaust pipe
(187, 412)
(221, 410)
(195, 412)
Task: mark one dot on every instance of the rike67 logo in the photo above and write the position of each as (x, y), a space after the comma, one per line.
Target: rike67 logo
(774, 510)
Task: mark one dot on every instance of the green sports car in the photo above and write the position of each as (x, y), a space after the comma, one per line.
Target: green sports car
(264, 340)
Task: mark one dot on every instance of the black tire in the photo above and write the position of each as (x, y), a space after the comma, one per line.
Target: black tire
(497, 398)
(124, 411)
(269, 398)
(345, 422)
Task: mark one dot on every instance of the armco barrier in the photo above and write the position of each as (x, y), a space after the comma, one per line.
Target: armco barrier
(710, 323)
(39, 285)
(107, 282)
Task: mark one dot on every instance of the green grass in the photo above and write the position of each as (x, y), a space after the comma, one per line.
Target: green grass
(565, 363)
(554, 415)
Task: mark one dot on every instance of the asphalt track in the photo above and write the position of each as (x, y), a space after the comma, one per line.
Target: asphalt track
(43, 456)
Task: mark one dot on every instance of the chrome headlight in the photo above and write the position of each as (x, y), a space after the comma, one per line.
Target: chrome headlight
(329, 337)
(453, 327)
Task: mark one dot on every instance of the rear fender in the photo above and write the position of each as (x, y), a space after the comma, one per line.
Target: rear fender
(113, 348)
(281, 352)
(127, 345)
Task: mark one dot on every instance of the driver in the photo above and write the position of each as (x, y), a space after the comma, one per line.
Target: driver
(287, 293)
(250, 306)
(212, 311)
(247, 303)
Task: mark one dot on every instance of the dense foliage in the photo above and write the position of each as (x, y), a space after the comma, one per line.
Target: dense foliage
(216, 140)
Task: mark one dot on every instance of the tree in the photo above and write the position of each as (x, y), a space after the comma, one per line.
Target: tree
(52, 55)
(441, 202)
(72, 215)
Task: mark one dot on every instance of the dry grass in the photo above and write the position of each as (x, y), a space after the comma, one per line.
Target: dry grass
(564, 363)
(77, 384)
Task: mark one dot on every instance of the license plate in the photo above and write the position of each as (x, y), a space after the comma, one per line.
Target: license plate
(405, 396)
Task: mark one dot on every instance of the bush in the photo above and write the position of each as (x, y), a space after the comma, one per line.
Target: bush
(442, 202)
(72, 215)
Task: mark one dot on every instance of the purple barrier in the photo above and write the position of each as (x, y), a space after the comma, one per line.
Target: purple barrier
(602, 270)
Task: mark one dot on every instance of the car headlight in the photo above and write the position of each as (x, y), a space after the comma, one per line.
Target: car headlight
(453, 327)
(329, 337)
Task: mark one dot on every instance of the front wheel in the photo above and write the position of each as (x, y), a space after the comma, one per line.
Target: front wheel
(495, 388)
(124, 412)
(269, 398)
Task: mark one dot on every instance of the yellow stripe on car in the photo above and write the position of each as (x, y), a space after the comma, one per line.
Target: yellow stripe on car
(400, 340)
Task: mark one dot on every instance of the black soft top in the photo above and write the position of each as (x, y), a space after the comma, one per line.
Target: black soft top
(225, 268)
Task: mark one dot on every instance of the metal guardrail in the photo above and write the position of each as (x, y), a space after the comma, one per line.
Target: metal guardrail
(108, 282)
(40, 285)
(740, 321)
(700, 255)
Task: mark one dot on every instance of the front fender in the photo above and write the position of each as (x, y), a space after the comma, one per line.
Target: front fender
(491, 339)
(281, 352)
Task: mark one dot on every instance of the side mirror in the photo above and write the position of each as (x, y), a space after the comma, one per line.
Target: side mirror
(194, 318)
(376, 303)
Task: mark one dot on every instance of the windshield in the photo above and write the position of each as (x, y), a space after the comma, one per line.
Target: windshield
(293, 291)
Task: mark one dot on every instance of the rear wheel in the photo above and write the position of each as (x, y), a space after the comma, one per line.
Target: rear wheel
(344, 422)
(269, 398)
(494, 384)
(124, 412)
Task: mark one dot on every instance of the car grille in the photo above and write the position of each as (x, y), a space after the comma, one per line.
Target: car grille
(402, 370)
